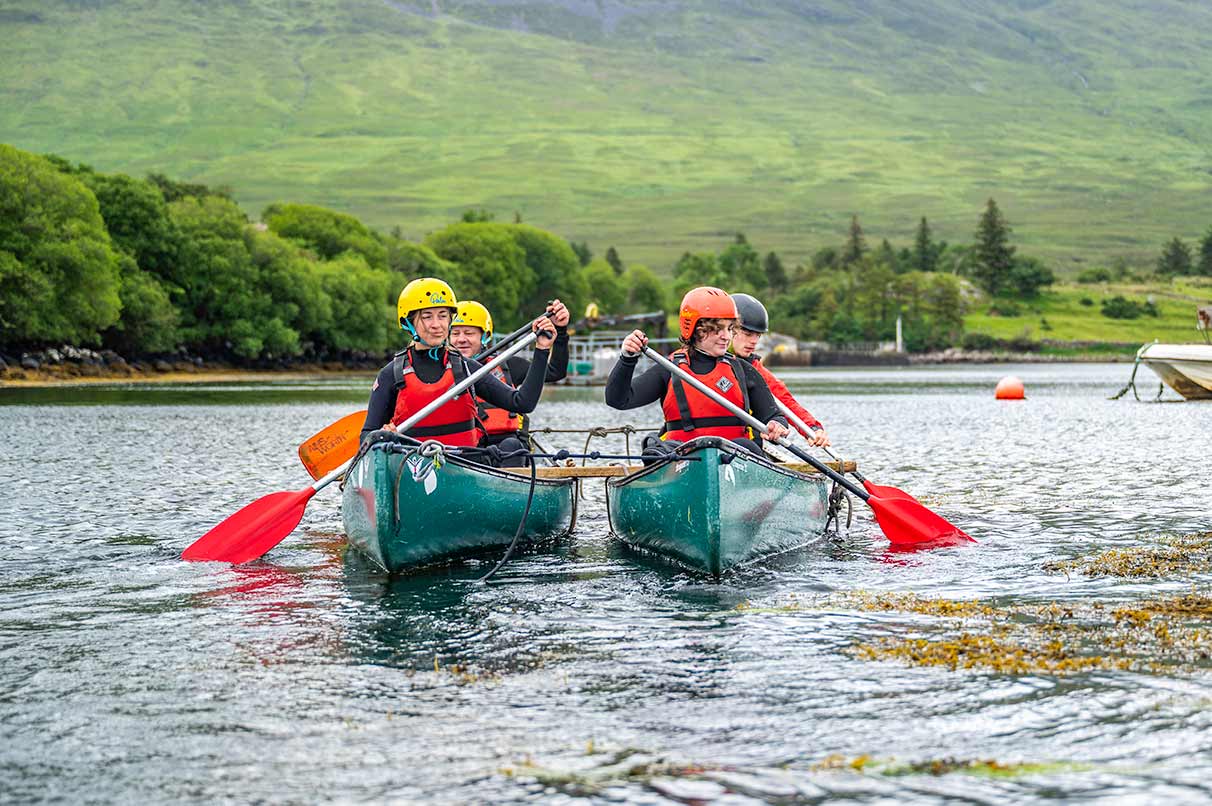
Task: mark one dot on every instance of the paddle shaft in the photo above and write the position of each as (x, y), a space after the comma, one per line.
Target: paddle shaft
(757, 424)
(508, 340)
(794, 419)
(440, 401)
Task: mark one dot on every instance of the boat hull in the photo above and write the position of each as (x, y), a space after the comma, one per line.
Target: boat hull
(1185, 368)
(719, 508)
(403, 512)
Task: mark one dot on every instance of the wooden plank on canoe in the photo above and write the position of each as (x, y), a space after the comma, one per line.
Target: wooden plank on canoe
(613, 471)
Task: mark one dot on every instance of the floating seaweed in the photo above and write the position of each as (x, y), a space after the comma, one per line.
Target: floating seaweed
(1172, 556)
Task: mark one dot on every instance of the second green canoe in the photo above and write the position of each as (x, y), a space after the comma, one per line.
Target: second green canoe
(716, 507)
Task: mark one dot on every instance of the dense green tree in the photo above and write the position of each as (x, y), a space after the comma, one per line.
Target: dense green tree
(59, 274)
(1203, 263)
(616, 262)
(356, 293)
(489, 266)
(994, 254)
(740, 267)
(793, 312)
(175, 191)
(478, 216)
(696, 269)
(1175, 260)
(887, 256)
(1028, 276)
(584, 253)
(411, 260)
(555, 268)
(226, 306)
(776, 274)
(856, 244)
(149, 321)
(326, 232)
(605, 287)
(136, 217)
(826, 259)
(645, 291)
(926, 252)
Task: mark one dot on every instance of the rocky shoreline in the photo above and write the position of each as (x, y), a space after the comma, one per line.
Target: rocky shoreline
(69, 364)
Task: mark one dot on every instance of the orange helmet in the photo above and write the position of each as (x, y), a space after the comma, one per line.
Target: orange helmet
(705, 302)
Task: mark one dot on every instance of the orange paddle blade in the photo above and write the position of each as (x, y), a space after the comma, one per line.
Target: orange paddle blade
(324, 452)
(253, 530)
(906, 521)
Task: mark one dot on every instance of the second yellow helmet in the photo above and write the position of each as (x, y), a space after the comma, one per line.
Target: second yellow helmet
(473, 314)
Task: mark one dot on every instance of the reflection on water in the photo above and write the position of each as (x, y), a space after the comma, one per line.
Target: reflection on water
(586, 669)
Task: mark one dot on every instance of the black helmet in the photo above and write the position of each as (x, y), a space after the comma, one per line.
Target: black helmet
(752, 313)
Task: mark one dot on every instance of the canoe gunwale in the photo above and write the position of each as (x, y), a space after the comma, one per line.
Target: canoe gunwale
(686, 451)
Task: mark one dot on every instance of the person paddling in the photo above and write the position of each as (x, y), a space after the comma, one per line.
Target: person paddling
(752, 322)
(421, 373)
(470, 333)
(706, 319)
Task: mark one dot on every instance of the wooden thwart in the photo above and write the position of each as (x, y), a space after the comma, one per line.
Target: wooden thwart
(613, 471)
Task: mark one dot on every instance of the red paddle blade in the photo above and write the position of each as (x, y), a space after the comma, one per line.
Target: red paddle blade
(334, 446)
(882, 491)
(908, 522)
(253, 530)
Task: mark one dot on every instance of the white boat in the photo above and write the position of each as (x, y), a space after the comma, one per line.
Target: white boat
(1185, 368)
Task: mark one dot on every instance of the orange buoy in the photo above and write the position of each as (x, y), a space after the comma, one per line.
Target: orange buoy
(1010, 388)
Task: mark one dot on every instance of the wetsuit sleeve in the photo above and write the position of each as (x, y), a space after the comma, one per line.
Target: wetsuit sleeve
(518, 367)
(780, 391)
(624, 392)
(521, 400)
(382, 402)
(761, 401)
(557, 366)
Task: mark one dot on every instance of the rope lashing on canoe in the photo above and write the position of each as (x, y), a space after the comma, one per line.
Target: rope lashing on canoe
(599, 431)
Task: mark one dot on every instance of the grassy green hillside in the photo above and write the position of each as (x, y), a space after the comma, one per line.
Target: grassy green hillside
(656, 126)
(1061, 314)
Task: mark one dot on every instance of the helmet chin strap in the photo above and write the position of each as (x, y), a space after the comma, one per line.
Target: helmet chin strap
(434, 352)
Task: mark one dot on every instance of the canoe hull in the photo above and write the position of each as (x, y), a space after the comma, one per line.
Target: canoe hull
(1185, 368)
(719, 508)
(404, 513)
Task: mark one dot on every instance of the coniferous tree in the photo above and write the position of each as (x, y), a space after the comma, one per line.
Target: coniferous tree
(583, 252)
(616, 263)
(1175, 259)
(925, 254)
(776, 274)
(856, 244)
(1204, 264)
(994, 254)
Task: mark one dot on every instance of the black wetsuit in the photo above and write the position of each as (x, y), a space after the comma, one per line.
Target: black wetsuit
(382, 403)
(625, 392)
(518, 367)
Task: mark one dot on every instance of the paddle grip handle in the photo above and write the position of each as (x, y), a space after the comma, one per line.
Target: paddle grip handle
(508, 340)
(754, 422)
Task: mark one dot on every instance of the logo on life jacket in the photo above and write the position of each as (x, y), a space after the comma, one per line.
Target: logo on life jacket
(723, 384)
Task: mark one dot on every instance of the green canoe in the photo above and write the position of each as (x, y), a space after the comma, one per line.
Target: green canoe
(716, 507)
(404, 511)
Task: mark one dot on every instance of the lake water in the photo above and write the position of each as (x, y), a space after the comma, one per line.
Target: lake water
(587, 672)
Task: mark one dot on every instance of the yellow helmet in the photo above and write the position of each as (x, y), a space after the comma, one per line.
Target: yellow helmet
(473, 314)
(425, 292)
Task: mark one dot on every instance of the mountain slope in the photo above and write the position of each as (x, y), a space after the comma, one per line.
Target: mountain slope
(657, 125)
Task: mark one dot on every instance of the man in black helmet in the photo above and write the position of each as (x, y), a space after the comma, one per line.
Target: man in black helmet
(753, 321)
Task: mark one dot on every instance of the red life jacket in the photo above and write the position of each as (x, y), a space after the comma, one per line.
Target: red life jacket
(689, 413)
(454, 422)
(494, 419)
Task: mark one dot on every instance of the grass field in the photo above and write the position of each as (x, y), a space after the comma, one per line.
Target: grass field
(1060, 314)
(655, 127)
